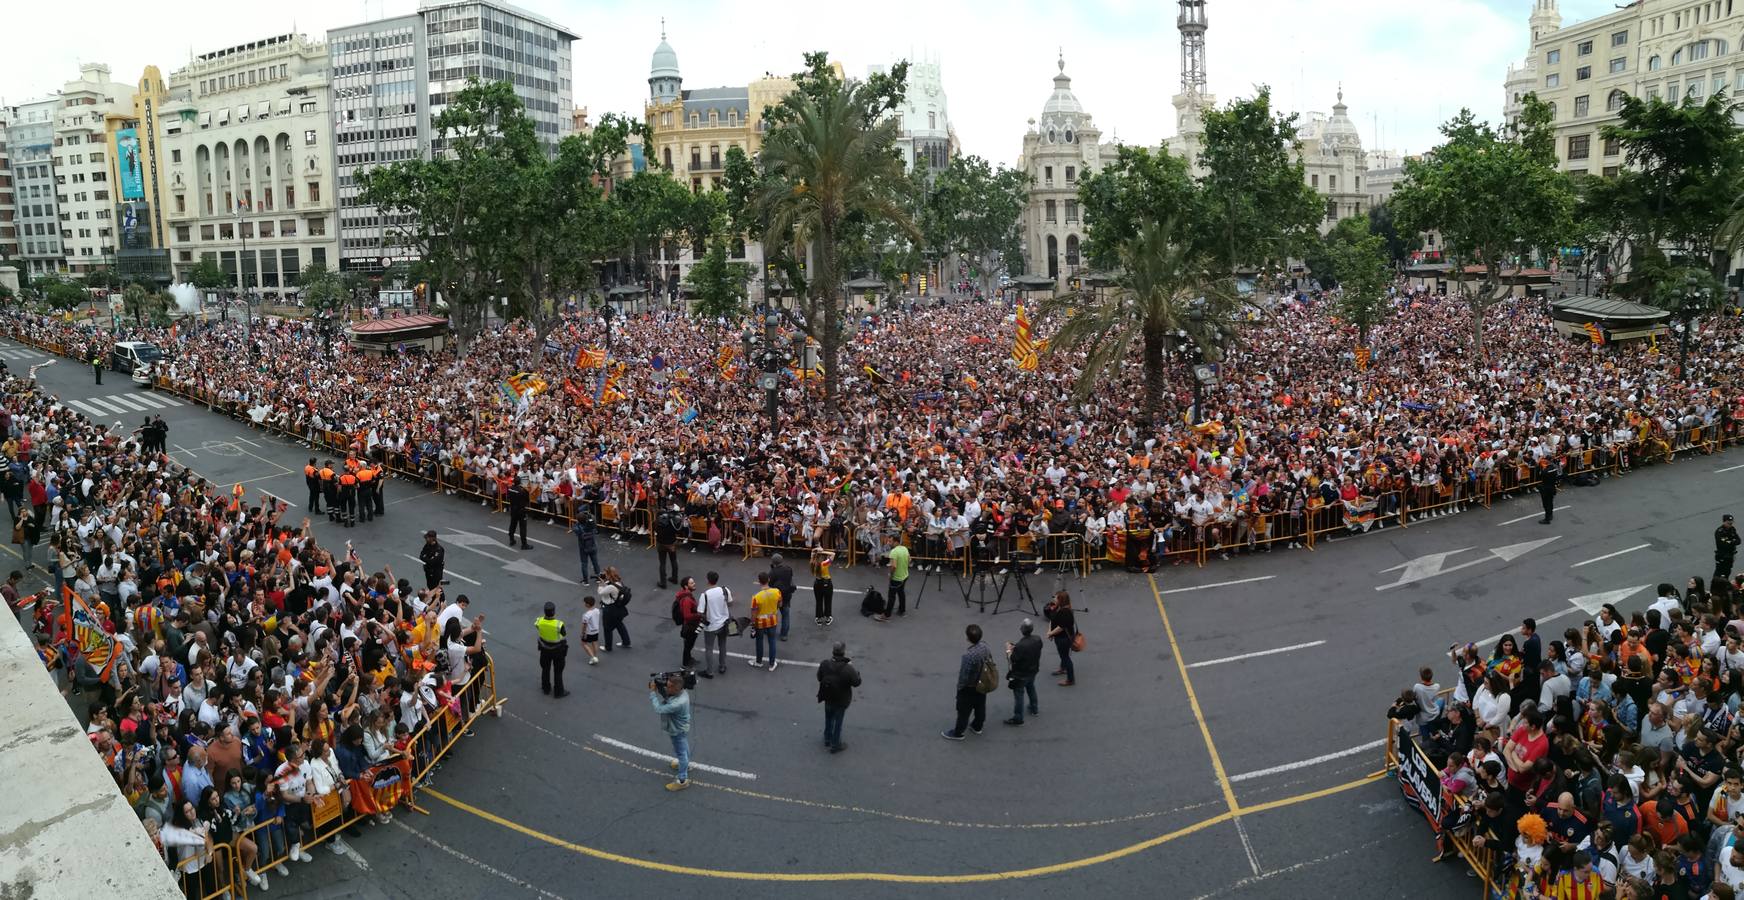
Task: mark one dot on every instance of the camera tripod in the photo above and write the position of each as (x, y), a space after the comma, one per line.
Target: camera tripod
(1015, 579)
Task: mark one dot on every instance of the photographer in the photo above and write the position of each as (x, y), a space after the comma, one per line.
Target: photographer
(672, 702)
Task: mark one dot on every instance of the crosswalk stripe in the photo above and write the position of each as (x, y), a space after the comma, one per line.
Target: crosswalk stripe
(157, 400)
(129, 401)
(108, 405)
(88, 409)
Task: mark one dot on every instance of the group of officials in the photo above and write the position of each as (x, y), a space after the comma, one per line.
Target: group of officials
(352, 493)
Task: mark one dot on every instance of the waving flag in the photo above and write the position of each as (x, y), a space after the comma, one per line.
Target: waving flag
(588, 358)
(85, 628)
(1594, 332)
(1023, 351)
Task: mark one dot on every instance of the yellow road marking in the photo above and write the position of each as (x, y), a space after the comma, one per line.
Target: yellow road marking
(1193, 700)
(894, 877)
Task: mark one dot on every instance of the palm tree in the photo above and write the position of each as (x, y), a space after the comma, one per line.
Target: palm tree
(827, 171)
(1164, 298)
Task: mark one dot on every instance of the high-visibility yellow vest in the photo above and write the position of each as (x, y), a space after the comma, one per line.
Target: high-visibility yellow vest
(550, 630)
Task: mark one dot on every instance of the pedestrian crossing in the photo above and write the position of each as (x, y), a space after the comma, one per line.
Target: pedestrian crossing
(100, 408)
(21, 354)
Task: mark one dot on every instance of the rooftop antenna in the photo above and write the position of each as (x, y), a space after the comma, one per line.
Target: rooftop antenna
(663, 28)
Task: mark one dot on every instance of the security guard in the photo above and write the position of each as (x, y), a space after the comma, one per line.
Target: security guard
(330, 490)
(97, 365)
(365, 493)
(378, 487)
(348, 499)
(312, 478)
(553, 648)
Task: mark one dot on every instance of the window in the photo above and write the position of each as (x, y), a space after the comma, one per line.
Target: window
(1618, 65)
(1579, 146)
(287, 228)
(176, 155)
(1611, 171)
(1314, 180)
(181, 203)
(932, 121)
(1613, 146)
(266, 229)
(714, 157)
(309, 138)
(1050, 215)
(1332, 209)
(1653, 63)
(1583, 73)
(1615, 101)
(1332, 182)
(1071, 174)
(1584, 48)
(1047, 175)
(1553, 57)
(1552, 80)
(226, 232)
(1580, 106)
(668, 156)
(1619, 38)
(1071, 211)
(314, 192)
(695, 120)
(695, 158)
(317, 226)
(1694, 90)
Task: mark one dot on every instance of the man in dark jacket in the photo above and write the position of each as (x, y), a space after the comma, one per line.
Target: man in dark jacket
(666, 526)
(971, 702)
(837, 679)
(1725, 547)
(1026, 662)
(781, 579)
(586, 542)
(518, 498)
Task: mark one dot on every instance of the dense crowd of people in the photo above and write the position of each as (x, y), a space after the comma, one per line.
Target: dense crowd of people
(233, 669)
(947, 446)
(1607, 762)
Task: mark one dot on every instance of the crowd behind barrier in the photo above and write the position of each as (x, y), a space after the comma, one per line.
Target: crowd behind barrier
(1607, 762)
(253, 693)
(1299, 444)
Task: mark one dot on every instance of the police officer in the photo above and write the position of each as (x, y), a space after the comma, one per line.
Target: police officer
(1725, 547)
(553, 648)
(365, 493)
(518, 500)
(1548, 474)
(378, 486)
(97, 364)
(432, 555)
(348, 498)
(329, 490)
(312, 479)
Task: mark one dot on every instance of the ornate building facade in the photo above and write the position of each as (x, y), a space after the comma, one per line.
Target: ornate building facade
(1059, 149)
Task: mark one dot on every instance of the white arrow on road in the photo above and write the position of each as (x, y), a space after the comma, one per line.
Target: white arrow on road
(1436, 563)
(1589, 604)
(467, 540)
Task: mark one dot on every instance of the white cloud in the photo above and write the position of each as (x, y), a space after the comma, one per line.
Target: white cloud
(1402, 73)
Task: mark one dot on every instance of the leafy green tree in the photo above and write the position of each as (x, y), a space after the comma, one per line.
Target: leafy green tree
(1358, 260)
(830, 170)
(462, 206)
(1139, 185)
(975, 209)
(717, 283)
(322, 289)
(60, 293)
(1399, 246)
(6, 294)
(142, 301)
(207, 275)
(1261, 209)
(1673, 200)
(1151, 305)
(1494, 197)
(102, 278)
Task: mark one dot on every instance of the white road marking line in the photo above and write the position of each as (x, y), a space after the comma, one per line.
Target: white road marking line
(88, 409)
(1536, 515)
(1728, 469)
(109, 406)
(544, 544)
(483, 867)
(161, 401)
(1302, 764)
(784, 661)
(182, 449)
(1252, 859)
(130, 402)
(1214, 584)
(446, 573)
(702, 767)
(350, 852)
(807, 587)
(1213, 662)
(1595, 559)
(1295, 867)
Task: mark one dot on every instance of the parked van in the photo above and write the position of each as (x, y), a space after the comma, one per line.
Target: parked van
(130, 355)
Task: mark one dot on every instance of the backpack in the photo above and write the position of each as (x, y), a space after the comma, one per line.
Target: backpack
(872, 603)
(677, 612)
(623, 594)
(989, 676)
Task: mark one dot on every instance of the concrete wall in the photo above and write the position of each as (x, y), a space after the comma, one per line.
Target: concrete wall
(65, 831)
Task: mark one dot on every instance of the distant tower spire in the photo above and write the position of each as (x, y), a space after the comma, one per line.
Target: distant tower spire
(663, 28)
(1062, 62)
(1191, 23)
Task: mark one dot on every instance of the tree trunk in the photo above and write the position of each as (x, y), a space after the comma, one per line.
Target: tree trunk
(1155, 375)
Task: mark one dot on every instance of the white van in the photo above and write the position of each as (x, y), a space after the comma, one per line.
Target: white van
(130, 355)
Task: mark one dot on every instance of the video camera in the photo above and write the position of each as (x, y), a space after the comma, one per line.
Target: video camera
(661, 679)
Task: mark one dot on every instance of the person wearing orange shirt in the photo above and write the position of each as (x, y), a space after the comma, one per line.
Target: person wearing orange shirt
(312, 479)
(329, 490)
(348, 498)
(366, 488)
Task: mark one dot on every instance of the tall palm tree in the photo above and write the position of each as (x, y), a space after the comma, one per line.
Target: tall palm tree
(1153, 303)
(827, 170)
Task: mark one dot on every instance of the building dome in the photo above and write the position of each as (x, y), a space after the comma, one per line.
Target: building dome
(1340, 131)
(665, 62)
(1062, 115)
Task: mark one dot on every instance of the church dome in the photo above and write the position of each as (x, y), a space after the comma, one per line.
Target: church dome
(1340, 130)
(1062, 113)
(665, 63)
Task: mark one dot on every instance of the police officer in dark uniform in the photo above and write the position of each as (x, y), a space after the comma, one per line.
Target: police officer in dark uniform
(312, 479)
(432, 555)
(518, 500)
(1725, 547)
(378, 486)
(553, 649)
(97, 364)
(1547, 477)
(329, 490)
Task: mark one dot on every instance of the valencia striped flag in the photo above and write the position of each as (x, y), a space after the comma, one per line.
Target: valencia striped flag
(1023, 351)
(1595, 332)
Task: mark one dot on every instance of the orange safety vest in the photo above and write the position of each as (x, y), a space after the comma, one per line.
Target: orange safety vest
(348, 480)
(351, 464)
(365, 475)
(326, 473)
(309, 471)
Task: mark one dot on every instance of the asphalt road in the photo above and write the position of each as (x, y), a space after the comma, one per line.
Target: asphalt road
(1220, 742)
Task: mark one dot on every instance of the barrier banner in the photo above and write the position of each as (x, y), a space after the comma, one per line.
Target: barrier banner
(1418, 780)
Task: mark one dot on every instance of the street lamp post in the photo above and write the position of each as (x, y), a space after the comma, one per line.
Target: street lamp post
(1696, 297)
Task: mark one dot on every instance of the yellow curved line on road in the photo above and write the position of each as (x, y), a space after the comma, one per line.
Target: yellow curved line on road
(895, 877)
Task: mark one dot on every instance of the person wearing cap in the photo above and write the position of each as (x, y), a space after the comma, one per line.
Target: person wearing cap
(1725, 548)
(837, 679)
(553, 649)
(432, 555)
(1026, 663)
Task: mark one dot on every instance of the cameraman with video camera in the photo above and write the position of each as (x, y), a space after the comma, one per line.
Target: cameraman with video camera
(672, 702)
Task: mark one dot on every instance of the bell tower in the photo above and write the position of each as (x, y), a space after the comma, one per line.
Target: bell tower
(1546, 19)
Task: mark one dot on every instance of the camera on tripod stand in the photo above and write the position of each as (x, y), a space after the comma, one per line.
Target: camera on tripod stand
(662, 679)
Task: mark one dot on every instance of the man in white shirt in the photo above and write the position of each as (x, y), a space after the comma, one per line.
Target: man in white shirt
(715, 603)
(1665, 603)
(1554, 687)
(455, 610)
(1731, 856)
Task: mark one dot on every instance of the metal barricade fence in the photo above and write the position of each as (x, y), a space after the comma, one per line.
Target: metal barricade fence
(389, 785)
(1420, 775)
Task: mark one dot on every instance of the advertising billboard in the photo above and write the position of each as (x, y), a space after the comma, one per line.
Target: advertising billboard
(135, 231)
(128, 163)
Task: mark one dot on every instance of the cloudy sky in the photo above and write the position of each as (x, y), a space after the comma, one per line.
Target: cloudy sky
(1402, 74)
